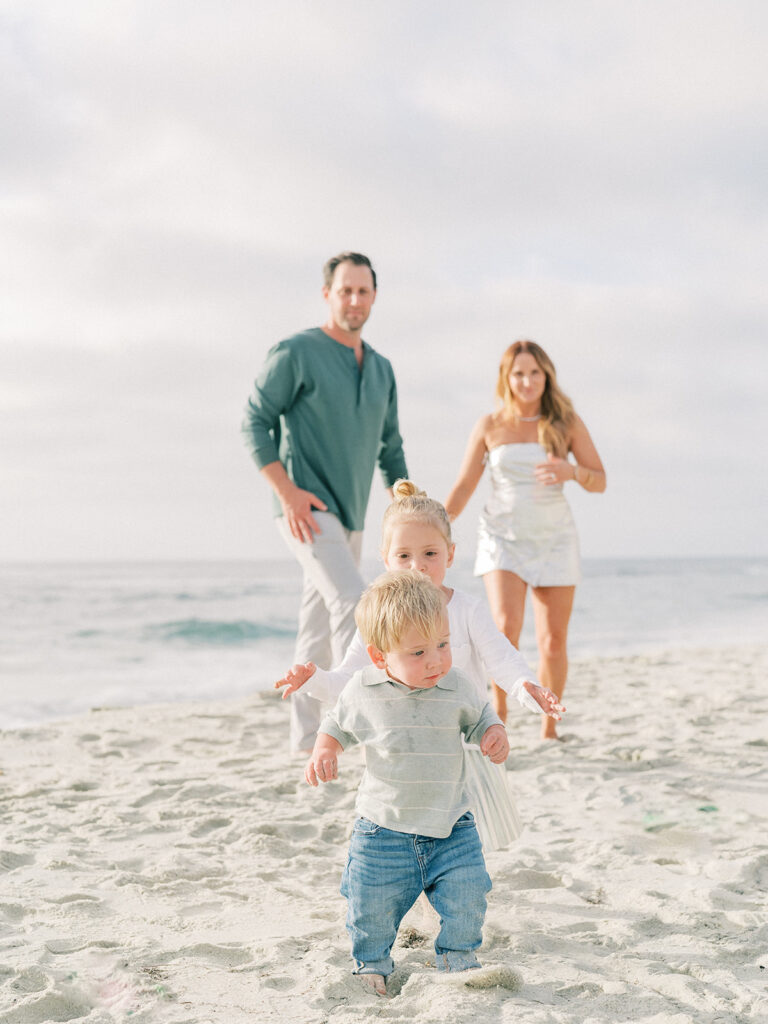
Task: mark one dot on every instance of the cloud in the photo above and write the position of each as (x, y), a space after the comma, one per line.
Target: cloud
(175, 175)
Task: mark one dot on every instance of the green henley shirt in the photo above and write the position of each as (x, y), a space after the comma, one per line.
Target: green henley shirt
(327, 420)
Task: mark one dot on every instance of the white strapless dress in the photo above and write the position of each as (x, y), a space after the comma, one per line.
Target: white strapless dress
(526, 527)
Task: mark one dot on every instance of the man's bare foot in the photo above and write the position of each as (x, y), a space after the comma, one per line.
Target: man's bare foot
(375, 981)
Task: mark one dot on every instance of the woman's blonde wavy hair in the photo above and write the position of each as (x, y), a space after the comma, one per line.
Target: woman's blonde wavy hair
(411, 503)
(557, 413)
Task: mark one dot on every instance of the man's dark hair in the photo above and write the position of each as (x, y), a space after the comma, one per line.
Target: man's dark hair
(346, 257)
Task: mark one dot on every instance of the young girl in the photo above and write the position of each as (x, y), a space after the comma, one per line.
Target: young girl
(416, 534)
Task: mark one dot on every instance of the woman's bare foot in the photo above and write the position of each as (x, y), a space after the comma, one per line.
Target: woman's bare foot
(549, 729)
(375, 981)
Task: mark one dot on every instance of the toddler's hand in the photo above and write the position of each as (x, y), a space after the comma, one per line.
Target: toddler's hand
(309, 772)
(295, 678)
(323, 765)
(495, 744)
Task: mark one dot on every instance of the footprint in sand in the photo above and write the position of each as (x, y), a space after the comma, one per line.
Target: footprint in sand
(334, 833)
(10, 860)
(321, 915)
(61, 947)
(162, 792)
(31, 979)
(102, 754)
(527, 878)
(37, 734)
(753, 876)
(86, 903)
(211, 825)
(300, 830)
(204, 792)
(132, 744)
(585, 988)
(199, 909)
(272, 793)
(52, 1006)
(12, 911)
(278, 981)
(223, 956)
(266, 830)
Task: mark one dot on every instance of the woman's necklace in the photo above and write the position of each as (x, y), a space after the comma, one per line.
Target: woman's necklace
(529, 419)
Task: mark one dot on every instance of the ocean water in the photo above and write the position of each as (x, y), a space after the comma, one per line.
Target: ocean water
(78, 636)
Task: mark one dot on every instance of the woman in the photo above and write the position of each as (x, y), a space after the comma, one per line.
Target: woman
(527, 536)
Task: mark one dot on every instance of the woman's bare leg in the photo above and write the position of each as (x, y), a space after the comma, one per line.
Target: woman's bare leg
(506, 597)
(552, 608)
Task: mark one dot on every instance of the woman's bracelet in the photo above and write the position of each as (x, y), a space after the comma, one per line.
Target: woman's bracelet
(587, 476)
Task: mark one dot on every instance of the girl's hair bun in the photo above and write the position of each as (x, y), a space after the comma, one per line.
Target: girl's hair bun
(406, 489)
(411, 503)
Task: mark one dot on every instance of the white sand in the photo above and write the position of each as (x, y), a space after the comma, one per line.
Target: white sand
(168, 864)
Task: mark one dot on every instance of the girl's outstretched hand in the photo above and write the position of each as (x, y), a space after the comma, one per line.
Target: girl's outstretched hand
(548, 702)
(295, 678)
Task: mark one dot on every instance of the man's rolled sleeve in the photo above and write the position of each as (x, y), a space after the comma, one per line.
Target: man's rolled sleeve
(274, 392)
(391, 457)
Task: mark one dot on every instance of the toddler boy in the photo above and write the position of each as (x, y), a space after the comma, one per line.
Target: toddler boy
(415, 832)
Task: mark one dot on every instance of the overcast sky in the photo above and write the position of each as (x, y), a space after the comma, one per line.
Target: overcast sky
(592, 175)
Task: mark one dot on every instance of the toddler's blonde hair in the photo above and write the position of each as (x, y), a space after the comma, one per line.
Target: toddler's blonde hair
(411, 503)
(396, 601)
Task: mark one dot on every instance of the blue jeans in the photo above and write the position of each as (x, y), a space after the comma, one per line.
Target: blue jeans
(386, 872)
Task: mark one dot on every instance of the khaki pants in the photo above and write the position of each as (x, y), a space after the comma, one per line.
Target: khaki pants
(332, 587)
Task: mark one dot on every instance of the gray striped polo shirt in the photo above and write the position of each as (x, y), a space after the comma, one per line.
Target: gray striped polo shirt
(414, 775)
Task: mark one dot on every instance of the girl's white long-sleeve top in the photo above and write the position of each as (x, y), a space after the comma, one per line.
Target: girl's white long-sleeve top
(477, 648)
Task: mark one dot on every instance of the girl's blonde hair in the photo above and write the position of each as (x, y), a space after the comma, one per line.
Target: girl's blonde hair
(557, 413)
(412, 504)
(395, 602)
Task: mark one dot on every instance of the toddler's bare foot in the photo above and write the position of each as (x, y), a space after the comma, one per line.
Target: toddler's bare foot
(375, 981)
(549, 729)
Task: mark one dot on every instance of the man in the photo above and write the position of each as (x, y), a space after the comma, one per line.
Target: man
(322, 414)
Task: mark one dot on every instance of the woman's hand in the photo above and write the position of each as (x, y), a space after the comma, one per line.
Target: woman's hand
(554, 471)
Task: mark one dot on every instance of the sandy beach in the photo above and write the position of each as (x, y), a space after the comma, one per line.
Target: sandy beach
(169, 864)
